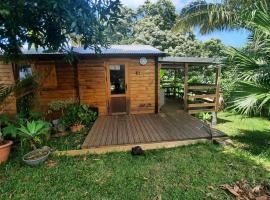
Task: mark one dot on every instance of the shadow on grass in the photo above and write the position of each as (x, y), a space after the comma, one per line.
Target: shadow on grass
(255, 142)
(222, 121)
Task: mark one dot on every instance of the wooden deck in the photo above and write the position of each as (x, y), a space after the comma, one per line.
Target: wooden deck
(146, 129)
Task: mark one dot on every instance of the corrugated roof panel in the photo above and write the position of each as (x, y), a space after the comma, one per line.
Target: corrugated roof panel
(112, 50)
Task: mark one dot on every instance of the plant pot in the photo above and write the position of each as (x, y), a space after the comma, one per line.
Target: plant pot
(76, 128)
(38, 156)
(5, 151)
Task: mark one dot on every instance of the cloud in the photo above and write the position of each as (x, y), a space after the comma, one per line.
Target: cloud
(136, 3)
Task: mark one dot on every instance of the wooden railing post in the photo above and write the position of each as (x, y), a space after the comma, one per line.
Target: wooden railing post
(218, 78)
(186, 88)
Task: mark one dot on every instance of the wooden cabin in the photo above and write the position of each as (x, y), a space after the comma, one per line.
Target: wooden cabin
(124, 79)
(121, 79)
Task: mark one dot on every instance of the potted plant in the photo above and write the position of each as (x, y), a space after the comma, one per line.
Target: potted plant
(77, 116)
(5, 145)
(71, 118)
(32, 132)
(57, 108)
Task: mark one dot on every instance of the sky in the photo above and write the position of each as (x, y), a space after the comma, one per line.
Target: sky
(230, 38)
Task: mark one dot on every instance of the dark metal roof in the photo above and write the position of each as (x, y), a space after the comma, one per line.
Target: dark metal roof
(193, 60)
(112, 50)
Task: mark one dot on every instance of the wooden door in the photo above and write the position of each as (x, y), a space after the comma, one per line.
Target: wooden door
(117, 88)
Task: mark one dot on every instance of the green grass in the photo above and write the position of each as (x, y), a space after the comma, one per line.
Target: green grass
(250, 135)
(191, 172)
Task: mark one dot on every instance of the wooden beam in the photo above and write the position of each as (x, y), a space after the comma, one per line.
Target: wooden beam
(202, 87)
(156, 85)
(186, 88)
(128, 147)
(202, 96)
(76, 80)
(174, 83)
(218, 80)
(198, 105)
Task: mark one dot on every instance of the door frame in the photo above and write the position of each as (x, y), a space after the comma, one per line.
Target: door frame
(108, 85)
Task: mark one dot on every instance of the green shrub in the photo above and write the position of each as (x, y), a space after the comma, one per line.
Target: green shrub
(78, 114)
(33, 131)
(60, 105)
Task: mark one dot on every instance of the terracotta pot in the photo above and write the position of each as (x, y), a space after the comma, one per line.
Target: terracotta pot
(4, 151)
(76, 128)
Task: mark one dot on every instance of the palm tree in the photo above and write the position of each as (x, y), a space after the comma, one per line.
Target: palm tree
(253, 62)
(208, 17)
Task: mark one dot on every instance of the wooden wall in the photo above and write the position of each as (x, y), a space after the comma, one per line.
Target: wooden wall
(59, 82)
(7, 78)
(92, 83)
(142, 86)
(60, 87)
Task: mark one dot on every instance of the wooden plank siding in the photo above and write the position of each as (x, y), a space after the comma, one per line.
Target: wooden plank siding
(7, 78)
(63, 87)
(59, 82)
(142, 86)
(92, 83)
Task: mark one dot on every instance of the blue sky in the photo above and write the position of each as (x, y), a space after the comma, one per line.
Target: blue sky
(230, 38)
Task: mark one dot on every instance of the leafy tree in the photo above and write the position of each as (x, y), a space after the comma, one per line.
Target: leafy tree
(213, 48)
(51, 24)
(163, 9)
(122, 32)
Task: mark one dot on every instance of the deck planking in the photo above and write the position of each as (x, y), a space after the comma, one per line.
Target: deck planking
(145, 128)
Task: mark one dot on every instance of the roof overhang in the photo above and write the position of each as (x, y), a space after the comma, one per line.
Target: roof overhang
(190, 60)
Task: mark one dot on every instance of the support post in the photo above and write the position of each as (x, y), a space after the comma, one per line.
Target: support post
(174, 84)
(218, 77)
(186, 88)
(156, 85)
(76, 80)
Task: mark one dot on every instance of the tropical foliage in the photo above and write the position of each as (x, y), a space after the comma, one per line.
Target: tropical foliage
(152, 24)
(52, 24)
(76, 114)
(221, 15)
(254, 64)
(251, 65)
(33, 130)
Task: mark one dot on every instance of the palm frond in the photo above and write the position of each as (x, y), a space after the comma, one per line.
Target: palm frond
(252, 99)
(226, 15)
(20, 88)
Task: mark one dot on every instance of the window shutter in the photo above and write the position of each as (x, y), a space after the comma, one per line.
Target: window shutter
(48, 75)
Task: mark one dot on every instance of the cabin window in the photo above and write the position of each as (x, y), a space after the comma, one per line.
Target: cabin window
(117, 77)
(25, 71)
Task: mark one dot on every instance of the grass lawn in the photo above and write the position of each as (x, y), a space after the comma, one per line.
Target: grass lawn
(250, 135)
(191, 172)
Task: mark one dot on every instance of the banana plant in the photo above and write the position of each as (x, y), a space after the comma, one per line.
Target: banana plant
(33, 130)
